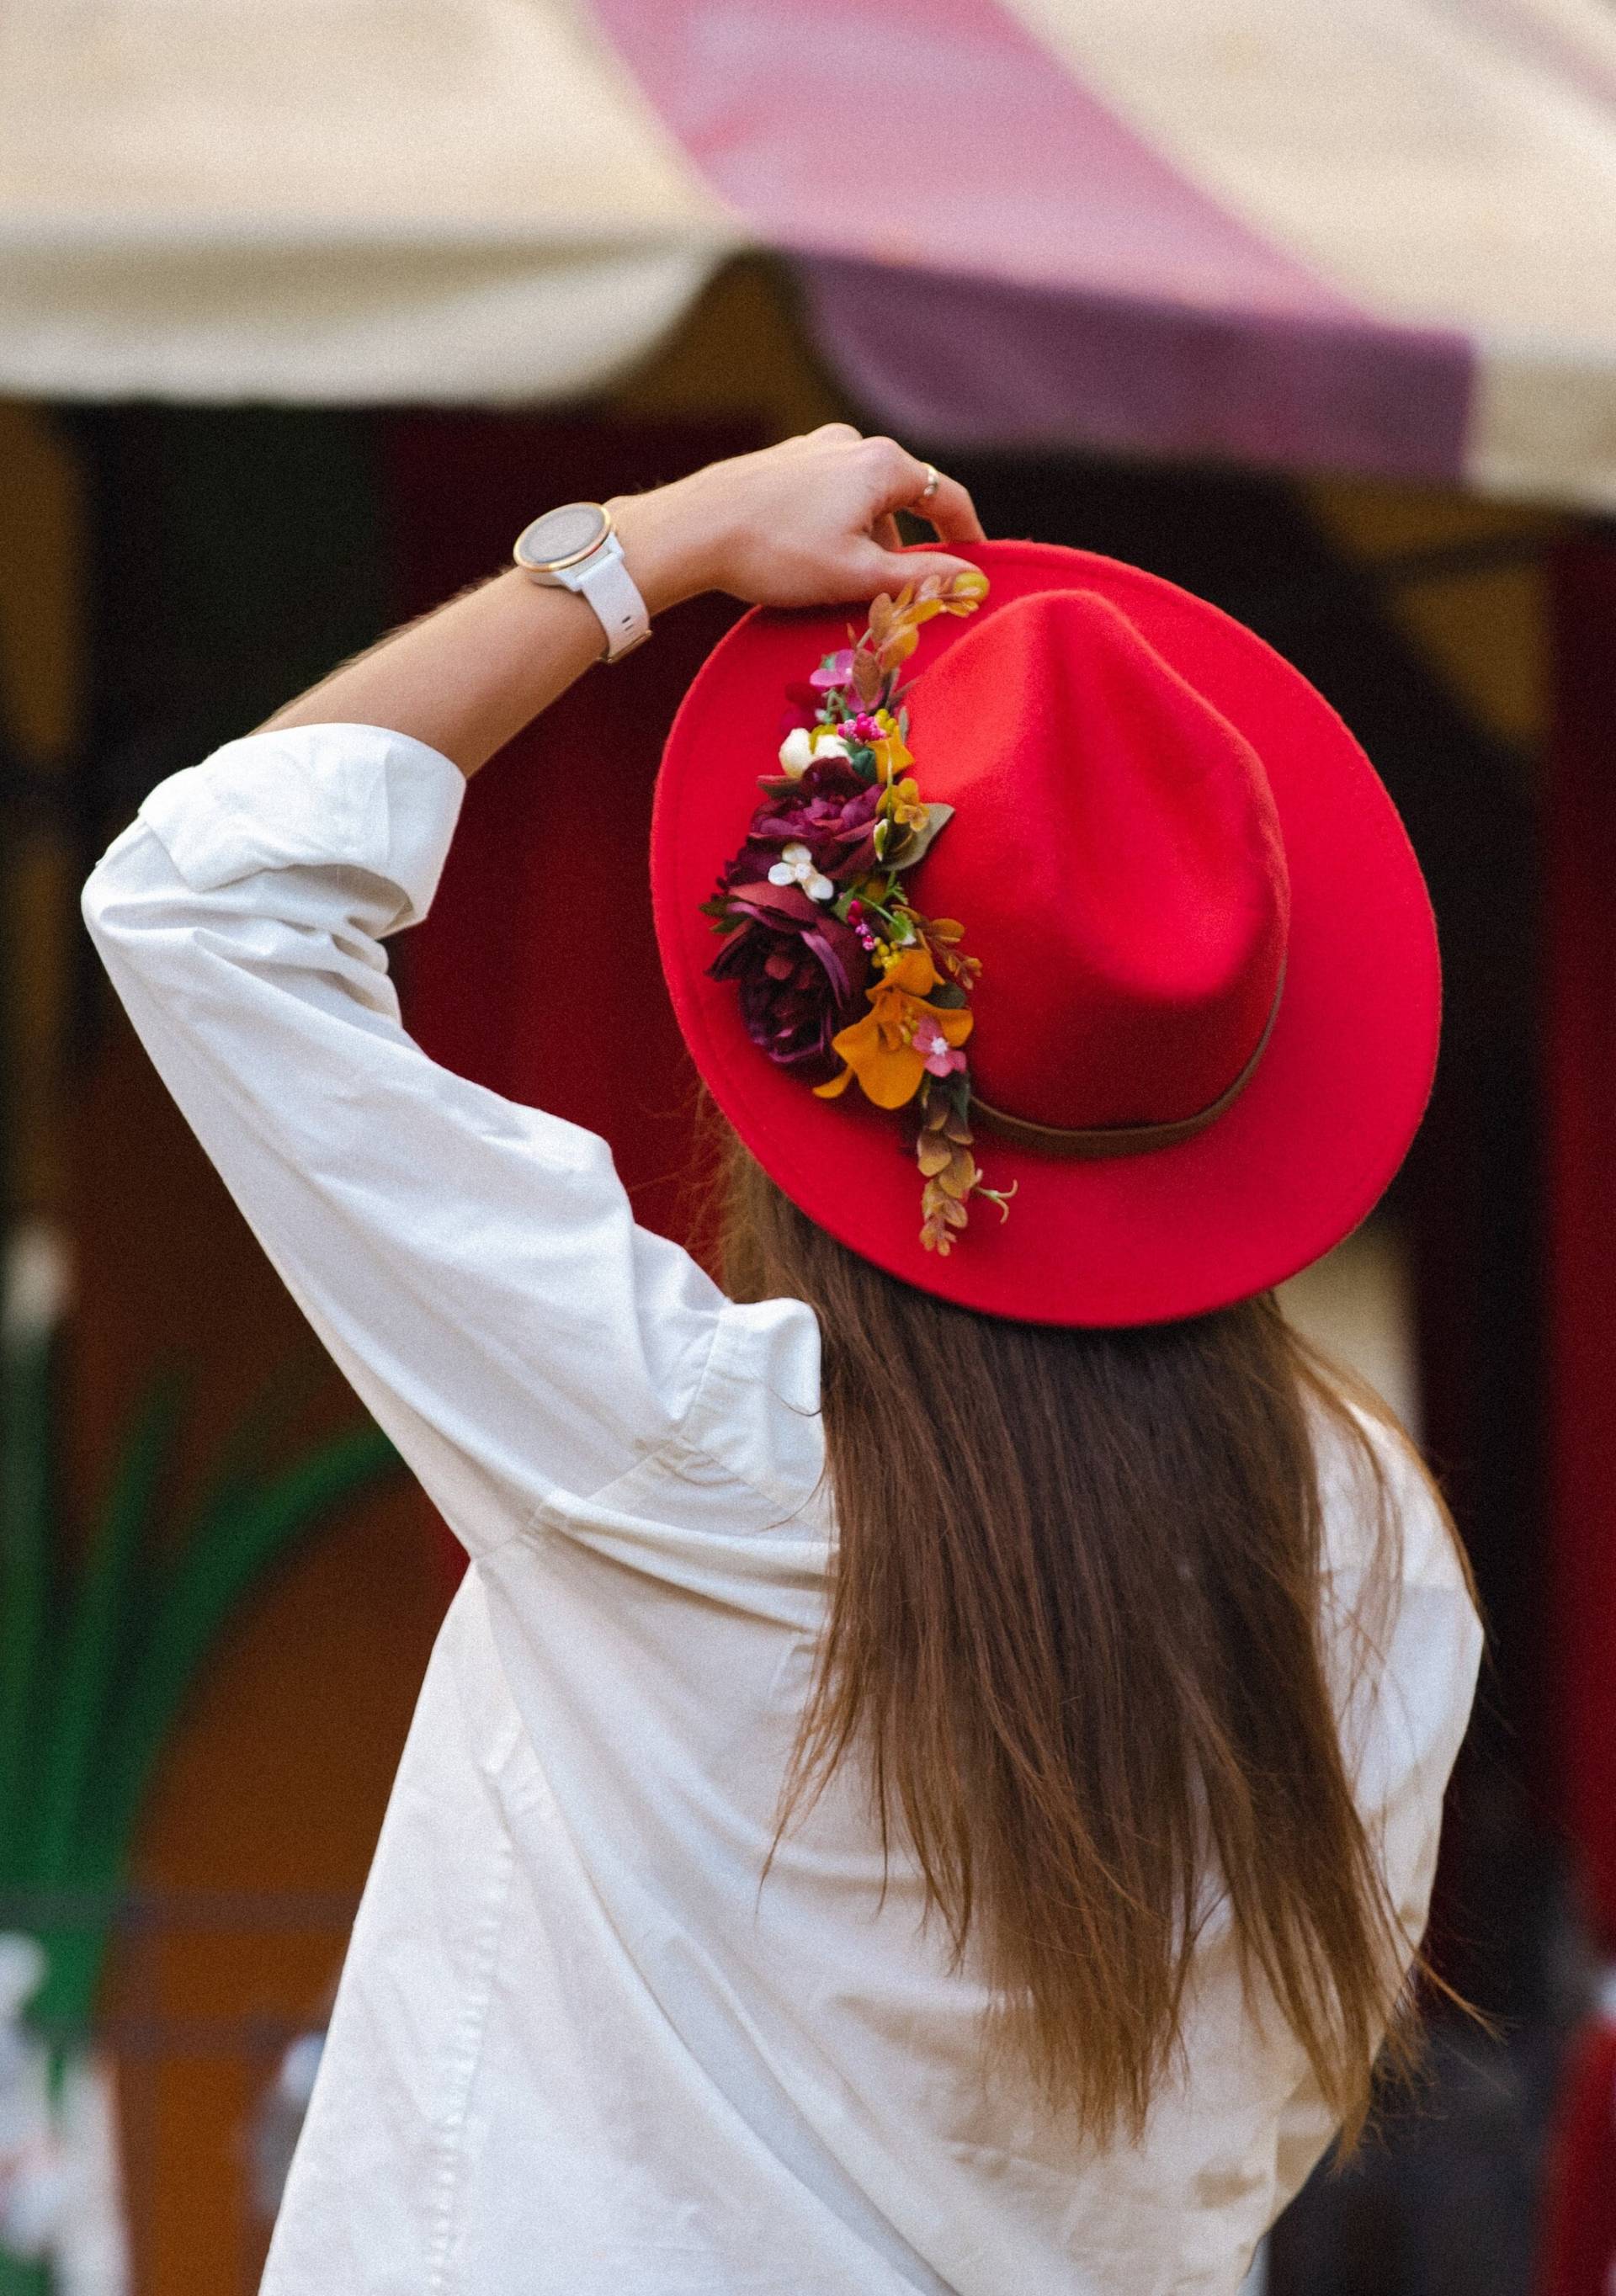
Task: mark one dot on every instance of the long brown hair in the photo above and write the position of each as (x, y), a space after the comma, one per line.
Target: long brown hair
(1074, 1636)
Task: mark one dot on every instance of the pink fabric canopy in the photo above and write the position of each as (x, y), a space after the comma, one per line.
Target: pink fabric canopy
(993, 255)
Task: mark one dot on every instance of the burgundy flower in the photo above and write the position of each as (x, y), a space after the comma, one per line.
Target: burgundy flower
(832, 810)
(800, 972)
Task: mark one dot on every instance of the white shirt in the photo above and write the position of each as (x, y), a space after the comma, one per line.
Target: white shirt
(579, 2046)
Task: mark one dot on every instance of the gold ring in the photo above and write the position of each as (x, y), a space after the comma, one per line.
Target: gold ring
(930, 488)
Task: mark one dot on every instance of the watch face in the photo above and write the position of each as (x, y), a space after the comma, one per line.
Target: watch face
(563, 536)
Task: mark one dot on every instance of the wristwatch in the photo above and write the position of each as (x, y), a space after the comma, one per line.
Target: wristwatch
(575, 548)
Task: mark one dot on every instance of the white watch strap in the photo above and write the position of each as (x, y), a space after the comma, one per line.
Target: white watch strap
(611, 589)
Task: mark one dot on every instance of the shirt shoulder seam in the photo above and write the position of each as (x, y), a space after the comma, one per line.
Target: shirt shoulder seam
(558, 1501)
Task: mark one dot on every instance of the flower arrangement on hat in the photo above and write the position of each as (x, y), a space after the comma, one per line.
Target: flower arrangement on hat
(840, 976)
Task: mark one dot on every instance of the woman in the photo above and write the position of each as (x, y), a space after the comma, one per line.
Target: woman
(932, 1778)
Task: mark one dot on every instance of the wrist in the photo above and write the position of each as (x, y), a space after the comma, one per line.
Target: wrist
(663, 551)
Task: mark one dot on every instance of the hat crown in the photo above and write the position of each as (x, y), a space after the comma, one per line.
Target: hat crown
(1116, 863)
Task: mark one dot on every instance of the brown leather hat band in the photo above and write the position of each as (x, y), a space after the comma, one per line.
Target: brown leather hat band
(1127, 1139)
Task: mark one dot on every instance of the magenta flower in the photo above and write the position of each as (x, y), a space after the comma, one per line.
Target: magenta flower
(856, 918)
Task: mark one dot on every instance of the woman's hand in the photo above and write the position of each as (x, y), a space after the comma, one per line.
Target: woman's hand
(809, 522)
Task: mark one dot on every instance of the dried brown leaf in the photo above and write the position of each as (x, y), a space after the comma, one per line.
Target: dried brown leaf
(959, 1176)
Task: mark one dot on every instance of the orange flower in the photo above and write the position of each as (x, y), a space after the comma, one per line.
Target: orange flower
(880, 1050)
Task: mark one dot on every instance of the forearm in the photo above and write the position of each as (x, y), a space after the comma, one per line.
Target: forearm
(803, 523)
(466, 678)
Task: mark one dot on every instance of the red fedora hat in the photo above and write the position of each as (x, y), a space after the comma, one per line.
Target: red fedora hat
(1205, 1025)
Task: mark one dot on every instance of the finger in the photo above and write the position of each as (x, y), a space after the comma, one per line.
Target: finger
(841, 433)
(951, 511)
(867, 568)
(884, 531)
(902, 478)
(892, 475)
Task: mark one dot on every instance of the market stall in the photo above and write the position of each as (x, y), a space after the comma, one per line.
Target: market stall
(1375, 240)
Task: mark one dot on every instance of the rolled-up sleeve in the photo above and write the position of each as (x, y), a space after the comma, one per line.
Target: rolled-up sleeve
(472, 1264)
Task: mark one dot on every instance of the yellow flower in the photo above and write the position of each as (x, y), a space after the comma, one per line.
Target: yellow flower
(902, 805)
(879, 1049)
(965, 592)
(892, 757)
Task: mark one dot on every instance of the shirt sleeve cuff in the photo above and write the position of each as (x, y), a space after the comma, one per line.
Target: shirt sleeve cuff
(357, 796)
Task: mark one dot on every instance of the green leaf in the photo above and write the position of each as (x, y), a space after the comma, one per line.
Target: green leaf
(266, 1424)
(226, 1556)
(920, 842)
(94, 1643)
(949, 997)
(26, 1454)
(21, 2277)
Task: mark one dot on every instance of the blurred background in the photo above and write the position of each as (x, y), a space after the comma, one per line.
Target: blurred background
(306, 307)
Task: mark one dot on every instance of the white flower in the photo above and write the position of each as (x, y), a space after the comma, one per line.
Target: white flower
(806, 743)
(797, 752)
(795, 867)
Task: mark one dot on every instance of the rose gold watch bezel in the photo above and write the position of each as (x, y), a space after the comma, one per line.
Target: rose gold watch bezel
(573, 557)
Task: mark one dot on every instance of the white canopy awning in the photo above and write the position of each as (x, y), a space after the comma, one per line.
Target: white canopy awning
(1376, 235)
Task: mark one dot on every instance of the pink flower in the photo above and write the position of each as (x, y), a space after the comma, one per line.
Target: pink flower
(941, 1057)
(835, 669)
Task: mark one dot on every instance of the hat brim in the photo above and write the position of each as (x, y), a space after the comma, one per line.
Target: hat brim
(1291, 1168)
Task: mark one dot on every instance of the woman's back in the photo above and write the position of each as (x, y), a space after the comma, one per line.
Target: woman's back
(665, 2077)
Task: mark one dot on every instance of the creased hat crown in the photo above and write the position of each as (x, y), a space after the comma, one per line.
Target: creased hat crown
(1119, 859)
